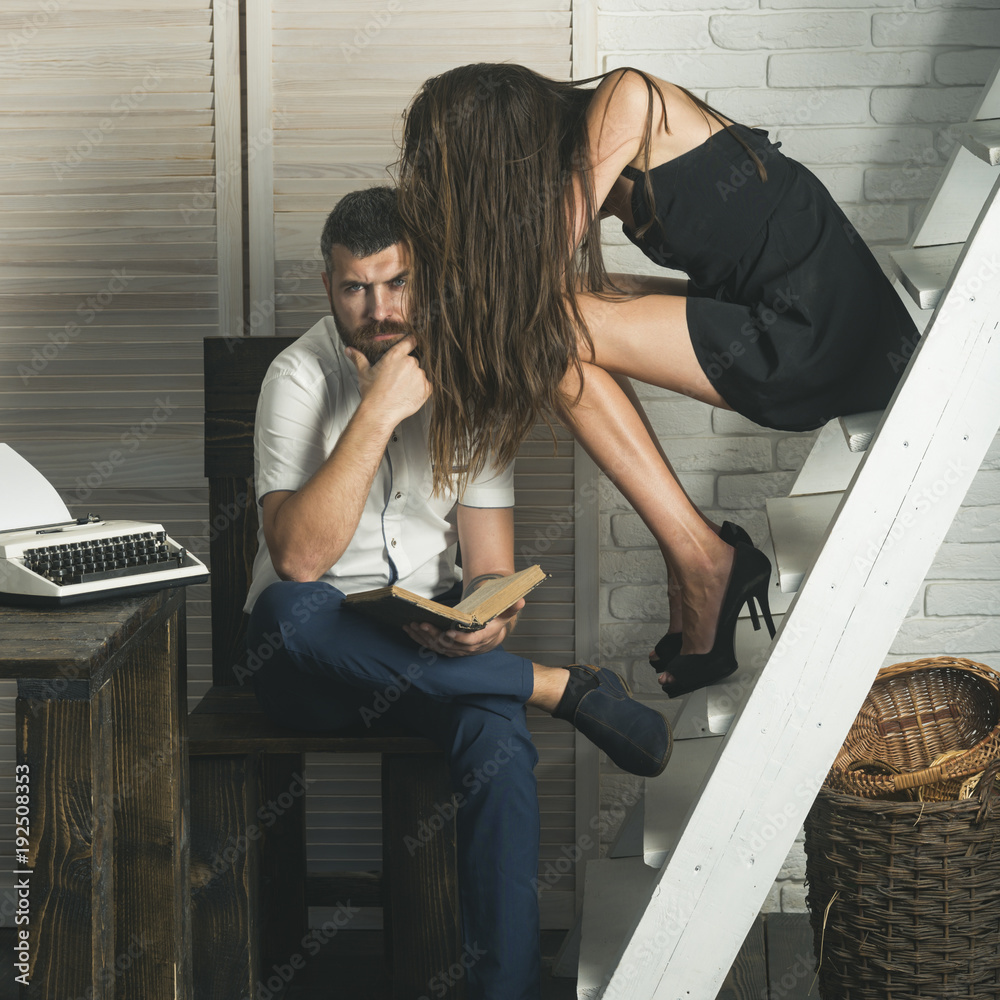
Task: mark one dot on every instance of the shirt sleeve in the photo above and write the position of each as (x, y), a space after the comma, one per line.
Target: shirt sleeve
(289, 443)
(491, 488)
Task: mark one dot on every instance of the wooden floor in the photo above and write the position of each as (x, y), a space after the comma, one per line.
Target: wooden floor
(776, 963)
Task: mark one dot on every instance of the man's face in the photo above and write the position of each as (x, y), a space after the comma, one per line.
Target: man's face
(367, 298)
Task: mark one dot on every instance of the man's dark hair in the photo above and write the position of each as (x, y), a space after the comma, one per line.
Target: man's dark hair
(366, 222)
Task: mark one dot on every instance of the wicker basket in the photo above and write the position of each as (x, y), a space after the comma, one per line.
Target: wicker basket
(924, 729)
(904, 897)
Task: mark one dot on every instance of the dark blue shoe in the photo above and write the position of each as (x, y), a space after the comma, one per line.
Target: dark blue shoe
(600, 705)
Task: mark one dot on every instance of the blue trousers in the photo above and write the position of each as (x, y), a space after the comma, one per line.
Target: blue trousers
(328, 668)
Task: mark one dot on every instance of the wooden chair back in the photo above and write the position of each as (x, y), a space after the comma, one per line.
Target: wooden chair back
(234, 370)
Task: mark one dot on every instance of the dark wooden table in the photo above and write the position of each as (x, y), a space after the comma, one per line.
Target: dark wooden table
(101, 788)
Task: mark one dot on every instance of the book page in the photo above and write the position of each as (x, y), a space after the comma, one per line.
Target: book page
(516, 585)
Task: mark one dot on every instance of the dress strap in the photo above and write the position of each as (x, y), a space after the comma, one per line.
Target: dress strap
(632, 173)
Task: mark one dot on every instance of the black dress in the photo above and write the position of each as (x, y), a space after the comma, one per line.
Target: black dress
(790, 315)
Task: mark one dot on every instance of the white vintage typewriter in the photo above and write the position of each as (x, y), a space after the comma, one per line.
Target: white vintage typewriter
(69, 560)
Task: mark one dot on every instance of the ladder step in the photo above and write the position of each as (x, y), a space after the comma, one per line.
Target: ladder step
(955, 205)
(670, 796)
(983, 139)
(830, 465)
(627, 844)
(797, 527)
(615, 894)
(925, 271)
(628, 840)
(709, 711)
(859, 428)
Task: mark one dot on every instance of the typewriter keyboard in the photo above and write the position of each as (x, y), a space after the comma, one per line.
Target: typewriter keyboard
(102, 558)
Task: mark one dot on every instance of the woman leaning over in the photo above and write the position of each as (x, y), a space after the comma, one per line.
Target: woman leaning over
(786, 318)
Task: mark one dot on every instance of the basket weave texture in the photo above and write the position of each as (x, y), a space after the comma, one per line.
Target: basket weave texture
(916, 897)
(904, 895)
(925, 727)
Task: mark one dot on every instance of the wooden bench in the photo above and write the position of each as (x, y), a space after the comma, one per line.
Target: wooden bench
(250, 888)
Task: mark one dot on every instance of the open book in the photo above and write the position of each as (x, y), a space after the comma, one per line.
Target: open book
(397, 606)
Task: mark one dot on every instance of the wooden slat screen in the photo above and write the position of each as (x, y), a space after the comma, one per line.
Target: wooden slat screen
(115, 261)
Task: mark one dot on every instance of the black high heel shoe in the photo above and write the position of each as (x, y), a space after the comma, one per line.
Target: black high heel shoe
(748, 583)
(670, 645)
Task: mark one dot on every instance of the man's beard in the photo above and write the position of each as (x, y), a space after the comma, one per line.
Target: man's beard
(363, 339)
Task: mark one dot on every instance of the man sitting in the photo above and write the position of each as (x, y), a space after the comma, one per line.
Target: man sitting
(344, 484)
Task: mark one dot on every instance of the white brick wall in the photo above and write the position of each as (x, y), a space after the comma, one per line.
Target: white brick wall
(864, 92)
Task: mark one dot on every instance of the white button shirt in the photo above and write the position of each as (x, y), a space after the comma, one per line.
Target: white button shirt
(406, 535)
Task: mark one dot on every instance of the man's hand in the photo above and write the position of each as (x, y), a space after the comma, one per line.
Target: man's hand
(455, 643)
(395, 383)
(308, 530)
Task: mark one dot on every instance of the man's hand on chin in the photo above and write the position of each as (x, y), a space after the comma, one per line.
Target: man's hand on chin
(396, 383)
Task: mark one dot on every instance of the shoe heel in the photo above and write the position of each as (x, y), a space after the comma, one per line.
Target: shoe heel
(754, 620)
(765, 608)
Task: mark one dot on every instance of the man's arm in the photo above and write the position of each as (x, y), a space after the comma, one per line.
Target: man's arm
(308, 530)
(486, 538)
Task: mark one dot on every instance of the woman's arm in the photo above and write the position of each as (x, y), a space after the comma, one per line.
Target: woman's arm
(616, 124)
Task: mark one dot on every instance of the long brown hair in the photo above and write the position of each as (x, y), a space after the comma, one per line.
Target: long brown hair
(485, 193)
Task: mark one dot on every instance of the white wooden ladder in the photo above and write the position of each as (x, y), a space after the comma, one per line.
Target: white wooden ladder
(741, 799)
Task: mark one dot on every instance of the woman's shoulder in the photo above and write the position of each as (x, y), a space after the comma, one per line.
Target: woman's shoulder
(679, 124)
(629, 90)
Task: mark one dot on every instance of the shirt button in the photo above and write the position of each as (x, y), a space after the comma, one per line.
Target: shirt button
(395, 438)
(399, 496)
(393, 543)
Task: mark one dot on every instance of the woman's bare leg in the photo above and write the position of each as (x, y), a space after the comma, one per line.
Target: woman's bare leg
(674, 593)
(611, 431)
(647, 338)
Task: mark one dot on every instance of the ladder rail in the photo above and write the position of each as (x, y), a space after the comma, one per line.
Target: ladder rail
(832, 642)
